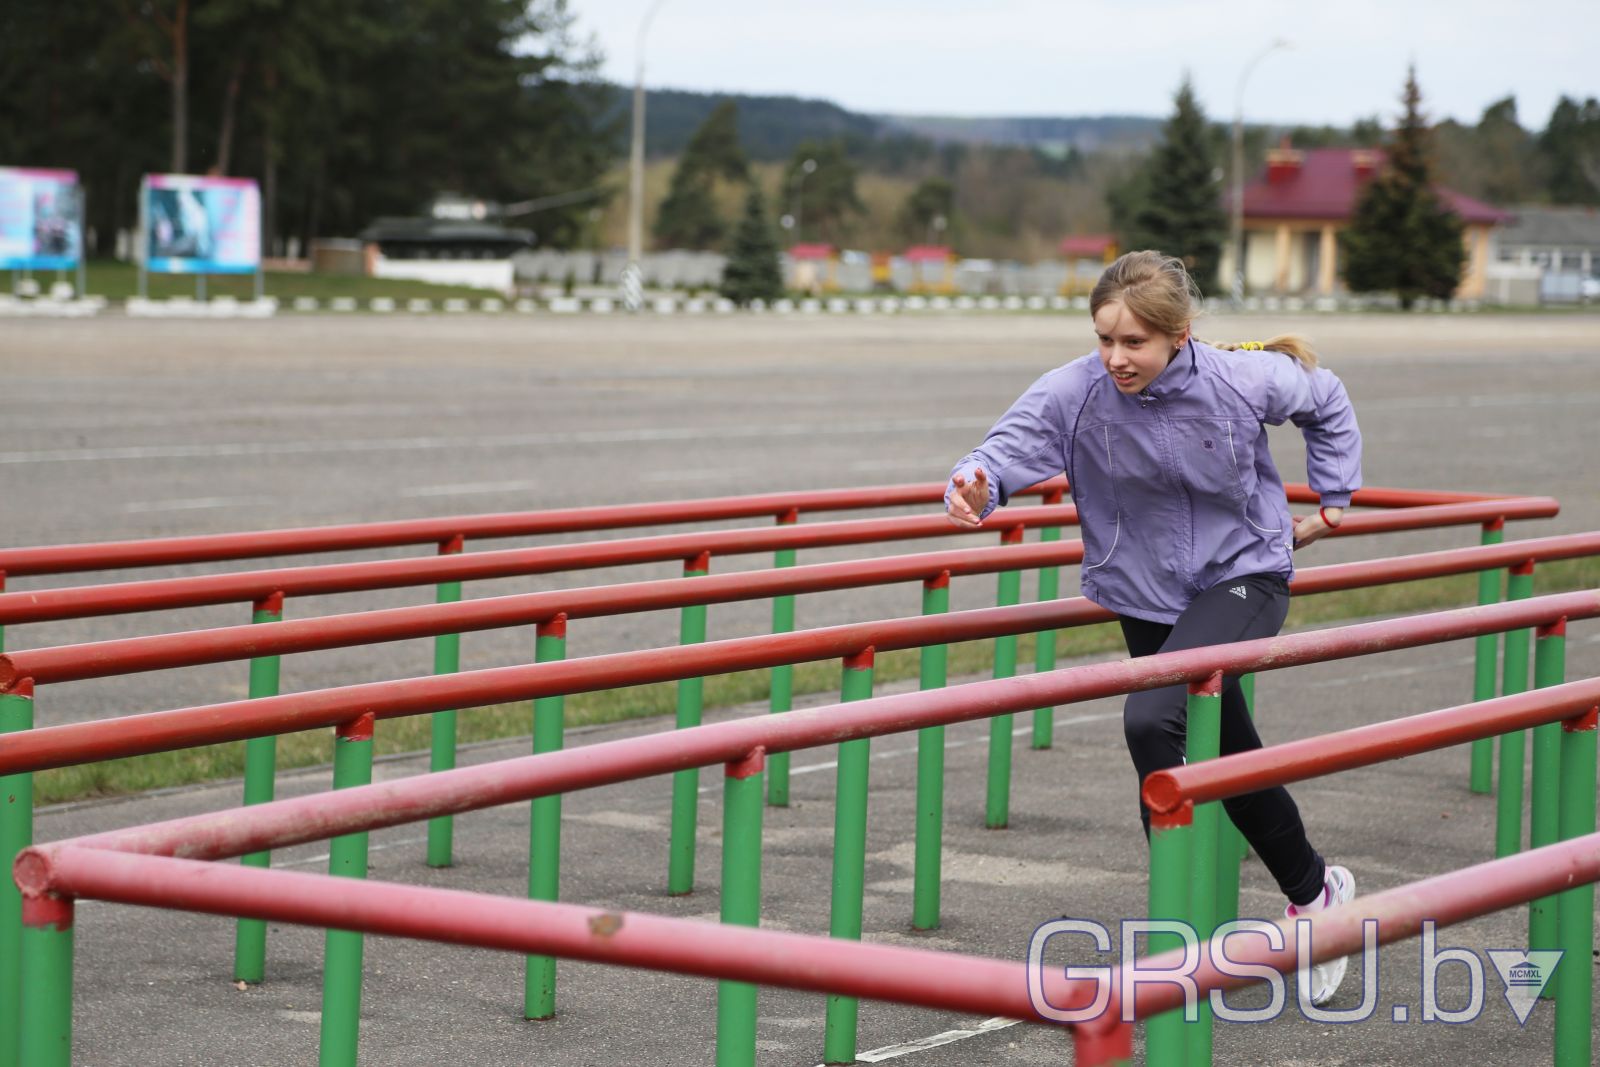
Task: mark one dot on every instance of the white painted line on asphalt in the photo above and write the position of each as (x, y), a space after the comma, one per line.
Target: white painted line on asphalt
(322, 857)
(704, 474)
(949, 1037)
(473, 488)
(638, 435)
(139, 507)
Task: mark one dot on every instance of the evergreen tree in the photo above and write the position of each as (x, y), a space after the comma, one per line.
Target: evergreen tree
(1402, 239)
(931, 200)
(343, 110)
(1570, 147)
(1180, 210)
(823, 198)
(1506, 150)
(688, 217)
(753, 271)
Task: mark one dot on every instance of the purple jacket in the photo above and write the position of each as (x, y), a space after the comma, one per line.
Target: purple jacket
(1175, 487)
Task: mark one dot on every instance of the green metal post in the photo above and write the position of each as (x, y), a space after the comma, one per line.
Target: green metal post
(46, 1030)
(16, 834)
(1513, 746)
(741, 902)
(1170, 876)
(930, 773)
(783, 674)
(1486, 650)
(1574, 978)
(1549, 668)
(1203, 743)
(686, 784)
(260, 772)
(442, 756)
(997, 806)
(544, 833)
(849, 857)
(347, 858)
(1044, 656)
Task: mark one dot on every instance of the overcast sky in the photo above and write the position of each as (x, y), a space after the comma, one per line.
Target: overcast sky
(1347, 58)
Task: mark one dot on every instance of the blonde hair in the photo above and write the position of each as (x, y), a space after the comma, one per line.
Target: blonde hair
(1158, 290)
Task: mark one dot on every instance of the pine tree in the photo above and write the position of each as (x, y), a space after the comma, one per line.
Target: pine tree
(753, 271)
(1402, 239)
(1570, 147)
(823, 196)
(688, 216)
(918, 218)
(1179, 209)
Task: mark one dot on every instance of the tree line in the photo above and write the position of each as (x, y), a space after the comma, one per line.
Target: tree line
(342, 110)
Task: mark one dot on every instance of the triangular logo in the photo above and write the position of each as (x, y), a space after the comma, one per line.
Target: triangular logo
(1525, 975)
(1238, 591)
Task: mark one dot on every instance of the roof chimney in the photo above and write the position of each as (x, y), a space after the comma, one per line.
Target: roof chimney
(1283, 163)
(1365, 162)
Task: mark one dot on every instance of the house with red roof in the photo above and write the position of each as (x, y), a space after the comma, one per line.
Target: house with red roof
(1294, 211)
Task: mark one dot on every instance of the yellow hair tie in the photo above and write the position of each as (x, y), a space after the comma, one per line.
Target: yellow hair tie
(1253, 346)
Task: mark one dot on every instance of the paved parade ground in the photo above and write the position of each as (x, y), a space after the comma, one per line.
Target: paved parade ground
(118, 428)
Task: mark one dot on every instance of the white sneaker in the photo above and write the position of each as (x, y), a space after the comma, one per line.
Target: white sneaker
(1339, 887)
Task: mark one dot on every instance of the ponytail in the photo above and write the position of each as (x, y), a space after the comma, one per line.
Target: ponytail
(1292, 345)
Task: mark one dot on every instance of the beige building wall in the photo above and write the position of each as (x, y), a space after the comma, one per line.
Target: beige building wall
(1302, 256)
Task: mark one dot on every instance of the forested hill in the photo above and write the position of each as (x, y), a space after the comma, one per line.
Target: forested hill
(1086, 133)
(771, 127)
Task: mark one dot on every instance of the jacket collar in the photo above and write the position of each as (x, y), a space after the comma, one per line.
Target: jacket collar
(1177, 374)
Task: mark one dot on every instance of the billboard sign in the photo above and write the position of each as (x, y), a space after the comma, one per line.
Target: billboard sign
(195, 225)
(41, 219)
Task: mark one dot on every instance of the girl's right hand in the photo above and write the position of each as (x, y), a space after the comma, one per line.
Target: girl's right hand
(969, 499)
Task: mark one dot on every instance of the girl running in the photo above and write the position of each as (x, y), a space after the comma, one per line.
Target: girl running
(1186, 530)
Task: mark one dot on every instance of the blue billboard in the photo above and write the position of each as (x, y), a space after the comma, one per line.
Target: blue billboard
(196, 225)
(41, 219)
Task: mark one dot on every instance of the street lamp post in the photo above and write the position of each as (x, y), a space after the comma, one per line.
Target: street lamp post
(633, 274)
(807, 168)
(1237, 236)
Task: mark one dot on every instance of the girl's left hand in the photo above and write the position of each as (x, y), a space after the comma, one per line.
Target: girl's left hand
(1312, 528)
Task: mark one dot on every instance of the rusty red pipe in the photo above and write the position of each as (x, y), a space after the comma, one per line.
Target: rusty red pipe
(164, 594)
(131, 655)
(165, 551)
(247, 586)
(685, 946)
(1446, 899)
(1314, 757)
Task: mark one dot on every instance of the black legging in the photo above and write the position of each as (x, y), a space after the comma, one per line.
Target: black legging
(1155, 721)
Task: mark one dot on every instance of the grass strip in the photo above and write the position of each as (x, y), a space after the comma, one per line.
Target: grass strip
(312, 748)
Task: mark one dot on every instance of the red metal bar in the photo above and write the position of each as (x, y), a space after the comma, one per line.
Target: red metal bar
(161, 551)
(1313, 757)
(945, 981)
(160, 652)
(1356, 575)
(809, 962)
(1445, 900)
(163, 594)
(294, 821)
(1433, 515)
(130, 655)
